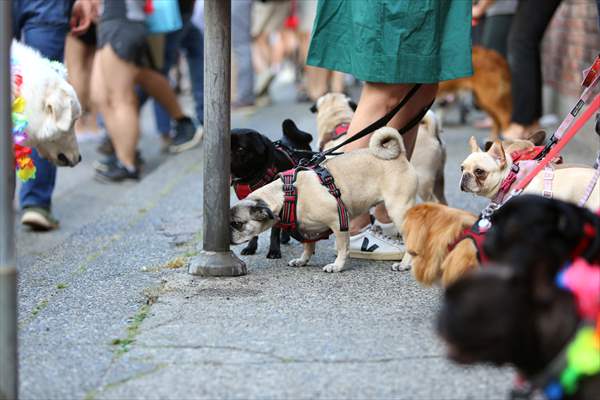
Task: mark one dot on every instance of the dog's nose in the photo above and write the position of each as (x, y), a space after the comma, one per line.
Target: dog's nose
(80, 158)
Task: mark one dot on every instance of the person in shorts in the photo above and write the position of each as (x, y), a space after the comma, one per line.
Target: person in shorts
(122, 61)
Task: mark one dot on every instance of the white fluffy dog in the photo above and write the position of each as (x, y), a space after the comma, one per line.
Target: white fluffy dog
(51, 105)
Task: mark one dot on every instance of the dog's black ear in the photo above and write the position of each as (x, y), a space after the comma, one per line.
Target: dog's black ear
(261, 212)
(313, 108)
(487, 145)
(352, 105)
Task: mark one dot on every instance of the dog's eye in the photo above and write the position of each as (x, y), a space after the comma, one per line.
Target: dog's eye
(237, 225)
(412, 253)
(479, 172)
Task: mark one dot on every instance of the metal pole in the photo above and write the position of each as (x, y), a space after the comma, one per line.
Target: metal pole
(8, 270)
(216, 259)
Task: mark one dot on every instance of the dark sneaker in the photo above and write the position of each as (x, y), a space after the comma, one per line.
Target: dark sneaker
(39, 219)
(117, 172)
(106, 147)
(187, 135)
(106, 162)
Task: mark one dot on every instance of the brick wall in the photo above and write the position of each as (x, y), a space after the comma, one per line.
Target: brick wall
(571, 43)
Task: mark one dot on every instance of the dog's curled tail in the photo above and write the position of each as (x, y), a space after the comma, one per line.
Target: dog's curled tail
(386, 143)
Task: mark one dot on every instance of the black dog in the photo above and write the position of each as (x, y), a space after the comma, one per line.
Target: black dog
(530, 230)
(517, 314)
(256, 161)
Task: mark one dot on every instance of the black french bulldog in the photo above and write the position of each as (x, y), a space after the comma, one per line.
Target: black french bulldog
(514, 313)
(256, 161)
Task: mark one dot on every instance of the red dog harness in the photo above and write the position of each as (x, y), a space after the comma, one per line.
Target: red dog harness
(243, 189)
(523, 162)
(287, 218)
(477, 235)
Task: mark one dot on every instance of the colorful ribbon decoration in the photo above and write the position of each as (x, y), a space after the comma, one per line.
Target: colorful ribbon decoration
(23, 163)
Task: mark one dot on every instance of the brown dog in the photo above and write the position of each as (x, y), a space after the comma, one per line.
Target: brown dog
(490, 85)
(430, 233)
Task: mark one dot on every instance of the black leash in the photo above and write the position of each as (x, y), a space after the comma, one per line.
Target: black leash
(380, 123)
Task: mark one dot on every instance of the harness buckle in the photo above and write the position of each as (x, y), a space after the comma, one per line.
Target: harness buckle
(288, 187)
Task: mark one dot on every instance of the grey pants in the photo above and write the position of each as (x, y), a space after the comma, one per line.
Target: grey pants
(241, 43)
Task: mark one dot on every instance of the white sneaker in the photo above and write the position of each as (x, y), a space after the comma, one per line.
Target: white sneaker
(373, 244)
(388, 229)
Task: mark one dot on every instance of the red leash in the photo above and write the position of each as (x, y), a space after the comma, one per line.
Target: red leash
(554, 152)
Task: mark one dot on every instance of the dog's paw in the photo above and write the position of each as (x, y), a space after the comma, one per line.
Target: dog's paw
(332, 268)
(275, 253)
(398, 267)
(297, 262)
(248, 251)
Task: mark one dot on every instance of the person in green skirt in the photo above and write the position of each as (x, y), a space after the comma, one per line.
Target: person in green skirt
(391, 45)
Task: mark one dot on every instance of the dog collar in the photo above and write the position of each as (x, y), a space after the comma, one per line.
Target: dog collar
(243, 187)
(340, 130)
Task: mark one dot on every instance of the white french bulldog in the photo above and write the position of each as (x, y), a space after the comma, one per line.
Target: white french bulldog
(483, 173)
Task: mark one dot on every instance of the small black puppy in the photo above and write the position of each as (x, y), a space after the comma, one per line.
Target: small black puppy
(517, 314)
(256, 161)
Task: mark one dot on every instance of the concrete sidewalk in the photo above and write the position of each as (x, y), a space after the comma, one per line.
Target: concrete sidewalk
(107, 309)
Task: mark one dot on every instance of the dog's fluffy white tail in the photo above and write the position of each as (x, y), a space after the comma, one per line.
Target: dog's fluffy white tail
(386, 143)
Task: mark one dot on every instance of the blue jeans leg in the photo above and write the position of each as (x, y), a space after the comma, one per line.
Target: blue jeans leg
(189, 38)
(50, 41)
(172, 43)
(193, 44)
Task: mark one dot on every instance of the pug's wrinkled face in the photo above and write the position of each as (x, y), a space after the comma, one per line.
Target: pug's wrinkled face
(483, 172)
(248, 218)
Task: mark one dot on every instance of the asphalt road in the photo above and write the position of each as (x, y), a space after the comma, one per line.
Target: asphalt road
(107, 309)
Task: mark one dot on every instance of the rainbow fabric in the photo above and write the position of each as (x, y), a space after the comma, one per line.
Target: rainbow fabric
(583, 351)
(23, 163)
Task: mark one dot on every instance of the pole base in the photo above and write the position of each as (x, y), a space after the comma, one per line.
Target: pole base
(211, 263)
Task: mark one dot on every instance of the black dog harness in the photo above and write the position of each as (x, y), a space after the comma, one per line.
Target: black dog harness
(287, 217)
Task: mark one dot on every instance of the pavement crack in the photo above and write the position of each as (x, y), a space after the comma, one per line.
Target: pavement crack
(285, 359)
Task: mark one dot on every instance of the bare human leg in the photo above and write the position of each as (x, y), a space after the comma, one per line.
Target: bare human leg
(113, 91)
(375, 101)
(157, 86)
